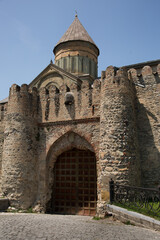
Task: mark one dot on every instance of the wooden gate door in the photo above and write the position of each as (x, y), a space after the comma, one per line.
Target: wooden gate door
(75, 183)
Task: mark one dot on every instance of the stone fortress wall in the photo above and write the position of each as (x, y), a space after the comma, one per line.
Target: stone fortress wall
(148, 121)
(117, 118)
(3, 109)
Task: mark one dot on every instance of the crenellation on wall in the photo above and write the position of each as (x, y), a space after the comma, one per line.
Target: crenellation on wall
(22, 100)
(147, 75)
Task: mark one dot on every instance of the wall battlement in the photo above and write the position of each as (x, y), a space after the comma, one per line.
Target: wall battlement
(50, 105)
(147, 75)
(22, 100)
(116, 77)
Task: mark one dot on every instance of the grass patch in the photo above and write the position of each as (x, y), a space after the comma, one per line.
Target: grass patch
(14, 210)
(96, 218)
(129, 223)
(144, 210)
(29, 210)
(10, 210)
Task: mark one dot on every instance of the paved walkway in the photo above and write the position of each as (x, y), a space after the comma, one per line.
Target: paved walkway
(64, 227)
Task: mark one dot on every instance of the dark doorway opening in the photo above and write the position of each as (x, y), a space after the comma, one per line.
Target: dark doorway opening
(75, 183)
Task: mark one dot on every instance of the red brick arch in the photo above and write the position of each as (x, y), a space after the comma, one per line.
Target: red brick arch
(64, 143)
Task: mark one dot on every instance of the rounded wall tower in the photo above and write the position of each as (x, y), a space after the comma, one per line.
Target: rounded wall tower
(119, 150)
(19, 165)
(76, 52)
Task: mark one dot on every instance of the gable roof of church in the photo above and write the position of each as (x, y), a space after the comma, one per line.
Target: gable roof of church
(76, 32)
(59, 70)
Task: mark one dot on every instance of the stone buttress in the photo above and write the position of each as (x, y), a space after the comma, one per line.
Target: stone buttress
(19, 165)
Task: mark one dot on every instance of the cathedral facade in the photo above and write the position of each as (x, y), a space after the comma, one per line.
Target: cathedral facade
(67, 133)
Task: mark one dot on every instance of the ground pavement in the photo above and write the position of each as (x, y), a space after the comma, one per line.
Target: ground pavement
(19, 226)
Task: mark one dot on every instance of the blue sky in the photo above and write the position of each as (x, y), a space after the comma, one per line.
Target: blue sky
(126, 32)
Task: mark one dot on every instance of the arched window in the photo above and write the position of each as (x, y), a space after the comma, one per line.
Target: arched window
(73, 65)
(64, 63)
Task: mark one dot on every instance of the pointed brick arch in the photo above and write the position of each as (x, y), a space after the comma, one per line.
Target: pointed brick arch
(65, 143)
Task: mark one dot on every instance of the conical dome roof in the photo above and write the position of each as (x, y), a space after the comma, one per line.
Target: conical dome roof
(76, 32)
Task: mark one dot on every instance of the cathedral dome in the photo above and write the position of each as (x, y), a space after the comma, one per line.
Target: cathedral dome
(76, 52)
(76, 32)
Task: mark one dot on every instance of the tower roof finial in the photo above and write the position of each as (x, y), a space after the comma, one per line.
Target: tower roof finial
(76, 15)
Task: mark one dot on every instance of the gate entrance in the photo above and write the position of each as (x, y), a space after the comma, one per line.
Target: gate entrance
(75, 183)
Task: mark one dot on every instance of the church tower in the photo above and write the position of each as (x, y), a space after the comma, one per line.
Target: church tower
(76, 52)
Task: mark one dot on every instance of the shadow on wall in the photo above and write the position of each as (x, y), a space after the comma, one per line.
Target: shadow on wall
(71, 110)
(149, 154)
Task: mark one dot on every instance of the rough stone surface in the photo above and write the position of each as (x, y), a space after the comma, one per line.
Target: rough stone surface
(3, 108)
(107, 119)
(19, 150)
(148, 123)
(117, 117)
(48, 227)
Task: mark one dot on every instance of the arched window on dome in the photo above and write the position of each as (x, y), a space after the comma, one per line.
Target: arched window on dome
(73, 65)
(64, 64)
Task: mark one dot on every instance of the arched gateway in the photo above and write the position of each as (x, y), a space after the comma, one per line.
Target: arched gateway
(74, 188)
